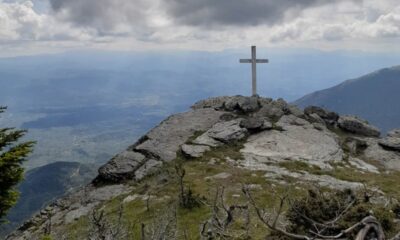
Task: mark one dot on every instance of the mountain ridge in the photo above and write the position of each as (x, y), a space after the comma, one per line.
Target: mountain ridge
(268, 144)
(370, 96)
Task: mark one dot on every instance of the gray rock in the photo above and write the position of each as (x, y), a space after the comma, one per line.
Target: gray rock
(295, 111)
(222, 175)
(277, 173)
(216, 103)
(227, 131)
(122, 166)
(264, 101)
(358, 126)
(375, 153)
(290, 120)
(355, 145)
(329, 117)
(394, 133)
(296, 143)
(150, 167)
(360, 164)
(391, 143)
(194, 151)
(252, 123)
(242, 104)
(267, 125)
(315, 118)
(206, 140)
(271, 111)
(165, 139)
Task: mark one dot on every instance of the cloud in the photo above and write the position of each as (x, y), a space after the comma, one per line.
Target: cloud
(238, 12)
(198, 24)
(19, 22)
(108, 17)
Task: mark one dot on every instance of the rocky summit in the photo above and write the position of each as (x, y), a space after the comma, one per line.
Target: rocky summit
(227, 141)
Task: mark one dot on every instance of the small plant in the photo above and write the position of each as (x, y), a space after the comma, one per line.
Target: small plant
(187, 199)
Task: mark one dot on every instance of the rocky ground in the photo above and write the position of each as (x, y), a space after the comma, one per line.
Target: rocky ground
(229, 141)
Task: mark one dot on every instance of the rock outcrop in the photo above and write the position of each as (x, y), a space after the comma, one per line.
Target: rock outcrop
(159, 145)
(358, 126)
(270, 137)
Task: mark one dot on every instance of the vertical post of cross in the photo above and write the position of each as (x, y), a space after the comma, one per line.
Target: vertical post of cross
(253, 62)
(254, 70)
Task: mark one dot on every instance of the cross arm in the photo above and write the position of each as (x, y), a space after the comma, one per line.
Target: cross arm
(262, 61)
(250, 61)
(245, 60)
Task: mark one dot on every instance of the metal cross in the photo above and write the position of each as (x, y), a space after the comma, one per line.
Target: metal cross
(254, 62)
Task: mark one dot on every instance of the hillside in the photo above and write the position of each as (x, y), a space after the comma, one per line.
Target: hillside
(43, 185)
(237, 168)
(373, 97)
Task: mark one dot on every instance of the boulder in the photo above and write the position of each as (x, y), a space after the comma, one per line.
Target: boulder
(290, 120)
(296, 143)
(242, 104)
(271, 111)
(267, 125)
(354, 145)
(295, 111)
(165, 140)
(376, 153)
(358, 126)
(252, 123)
(215, 103)
(329, 117)
(227, 131)
(391, 143)
(394, 133)
(122, 166)
(194, 151)
(206, 140)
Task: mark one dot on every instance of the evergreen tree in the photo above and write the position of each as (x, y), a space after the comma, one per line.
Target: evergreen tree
(12, 155)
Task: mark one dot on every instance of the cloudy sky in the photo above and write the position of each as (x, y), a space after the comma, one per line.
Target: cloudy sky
(41, 26)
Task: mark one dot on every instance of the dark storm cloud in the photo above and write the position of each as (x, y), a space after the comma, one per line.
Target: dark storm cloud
(104, 15)
(237, 12)
(107, 15)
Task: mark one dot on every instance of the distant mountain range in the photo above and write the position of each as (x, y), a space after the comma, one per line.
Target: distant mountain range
(44, 184)
(375, 97)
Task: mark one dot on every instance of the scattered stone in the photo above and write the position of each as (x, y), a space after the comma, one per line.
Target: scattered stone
(74, 215)
(148, 168)
(271, 111)
(252, 123)
(374, 152)
(315, 118)
(122, 166)
(206, 140)
(329, 117)
(277, 173)
(355, 145)
(222, 175)
(295, 111)
(394, 133)
(267, 125)
(215, 103)
(194, 151)
(227, 131)
(391, 143)
(358, 126)
(290, 120)
(319, 126)
(242, 104)
(227, 116)
(360, 164)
